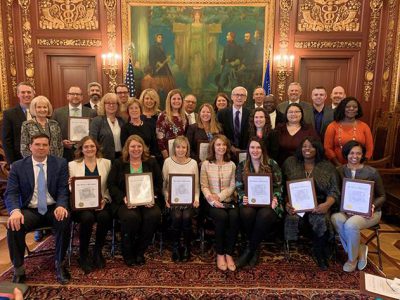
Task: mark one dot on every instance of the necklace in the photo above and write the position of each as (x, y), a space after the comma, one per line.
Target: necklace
(340, 132)
(308, 169)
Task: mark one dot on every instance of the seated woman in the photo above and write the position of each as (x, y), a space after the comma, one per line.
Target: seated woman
(260, 126)
(347, 127)
(309, 162)
(203, 130)
(217, 180)
(136, 221)
(41, 111)
(180, 163)
(257, 221)
(348, 226)
(88, 162)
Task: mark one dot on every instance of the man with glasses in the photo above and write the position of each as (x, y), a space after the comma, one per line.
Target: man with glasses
(235, 120)
(189, 104)
(294, 92)
(95, 93)
(12, 122)
(122, 92)
(73, 109)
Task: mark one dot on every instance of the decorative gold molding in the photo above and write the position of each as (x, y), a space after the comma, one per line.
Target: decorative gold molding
(11, 46)
(328, 45)
(27, 41)
(4, 103)
(111, 11)
(327, 15)
(69, 42)
(72, 15)
(376, 7)
(395, 91)
(193, 2)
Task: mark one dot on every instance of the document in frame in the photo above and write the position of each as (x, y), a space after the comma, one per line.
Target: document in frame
(181, 189)
(357, 196)
(259, 189)
(170, 145)
(302, 194)
(78, 128)
(85, 192)
(202, 149)
(139, 189)
(242, 155)
(379, 287)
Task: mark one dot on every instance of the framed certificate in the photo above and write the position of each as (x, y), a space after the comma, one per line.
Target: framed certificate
(170, 145)
(259, 189)
(139, 189)
(78, 127)
(85, 192)
(357, 196)
(242, 155)
(202, 149)
(302, 194)
(181, 189)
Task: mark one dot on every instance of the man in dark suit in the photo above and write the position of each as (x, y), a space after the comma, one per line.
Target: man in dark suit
(323, 114)
(73, 109)
(294, 92)
(275, 115)
(189, 104)
(37, 195)
(235, 120)
(12, 122)
(95, 93)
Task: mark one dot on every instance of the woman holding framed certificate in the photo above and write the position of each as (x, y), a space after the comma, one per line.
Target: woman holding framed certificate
(180, 196)
(203, 130)
(262, 212)
(134, 182)
(217, 181)
(348, 225)
(88, 162)
(309, 165)
(172, 122)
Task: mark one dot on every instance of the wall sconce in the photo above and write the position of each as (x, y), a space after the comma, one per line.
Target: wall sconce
(284, 64)
(110, 68)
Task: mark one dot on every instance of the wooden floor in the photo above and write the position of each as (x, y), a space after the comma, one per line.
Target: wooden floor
(390, 245)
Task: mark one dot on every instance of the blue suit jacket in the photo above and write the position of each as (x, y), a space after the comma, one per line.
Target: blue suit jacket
(21, 183)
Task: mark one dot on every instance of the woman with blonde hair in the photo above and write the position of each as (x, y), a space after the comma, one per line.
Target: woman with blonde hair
(172, 122)
(150, 101)
(203, 130)
(41, 110)
(106, 127)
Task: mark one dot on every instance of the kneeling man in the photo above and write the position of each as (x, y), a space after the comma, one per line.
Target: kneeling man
(37, 195)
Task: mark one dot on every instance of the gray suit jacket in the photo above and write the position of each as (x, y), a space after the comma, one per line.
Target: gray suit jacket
(307, 109)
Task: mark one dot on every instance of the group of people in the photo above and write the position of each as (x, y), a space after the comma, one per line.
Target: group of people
(290, 141)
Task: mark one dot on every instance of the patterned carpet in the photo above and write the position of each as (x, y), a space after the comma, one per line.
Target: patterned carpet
(160, 278)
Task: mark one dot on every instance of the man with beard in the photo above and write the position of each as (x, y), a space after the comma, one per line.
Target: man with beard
(337, 95)
(95, 94)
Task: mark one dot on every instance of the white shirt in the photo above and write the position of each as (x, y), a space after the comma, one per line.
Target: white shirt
(191, 117)
(261, 106)
(116, 131)
(92, 104)
(34, 201)
(272, 116)
(75, 113)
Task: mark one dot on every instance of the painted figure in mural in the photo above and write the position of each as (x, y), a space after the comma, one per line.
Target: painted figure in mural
(230, 63)
(196, 50)
(247, 69)
(259, 59)
(158, 61)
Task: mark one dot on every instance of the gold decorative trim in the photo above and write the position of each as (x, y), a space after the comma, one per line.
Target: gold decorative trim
(328, 44)
(376, 7)
(194, 2)
(11, 46)
(111, 11)
(395, 91)
(73, 15)
(27, 41)
(69, 42)
(3, 78)
(327, 15)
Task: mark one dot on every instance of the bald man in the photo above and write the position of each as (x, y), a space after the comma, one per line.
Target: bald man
(337, 95)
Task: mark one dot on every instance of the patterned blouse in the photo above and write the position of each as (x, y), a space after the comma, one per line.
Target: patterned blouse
(52, 130)
(276, 183)
(165, 130)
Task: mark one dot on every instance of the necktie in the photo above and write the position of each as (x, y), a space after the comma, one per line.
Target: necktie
(42, 188)
(237, 129)
(28, 114)
(75, 111)
(95, 106)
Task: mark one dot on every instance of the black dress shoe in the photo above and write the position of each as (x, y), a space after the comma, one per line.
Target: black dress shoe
(140, 260)
(129, 261)
(98, 260)
(85, 265)
(186, 253)
(19, 278)
(244, 258)
(62, 274)
(254, 259)
(176, 255)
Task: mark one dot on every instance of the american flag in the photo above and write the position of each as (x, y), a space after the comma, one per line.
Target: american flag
(130, 79)
(267, 80)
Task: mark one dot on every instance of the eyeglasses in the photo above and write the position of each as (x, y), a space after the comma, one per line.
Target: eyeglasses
(240, 95)
(74, 94)
(122, 93)
(294, 112)
(110, 103)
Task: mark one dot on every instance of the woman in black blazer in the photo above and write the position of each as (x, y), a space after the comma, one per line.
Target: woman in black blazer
(140, 221)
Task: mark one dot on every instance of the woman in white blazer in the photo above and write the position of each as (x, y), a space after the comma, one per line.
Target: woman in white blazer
(88, 162)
